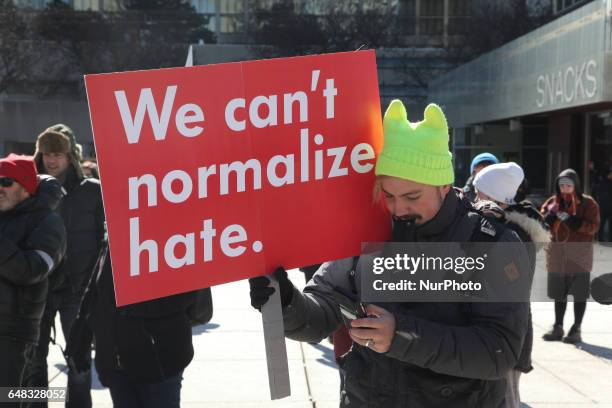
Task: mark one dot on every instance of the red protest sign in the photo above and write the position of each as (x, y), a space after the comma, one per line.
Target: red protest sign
(212, 174)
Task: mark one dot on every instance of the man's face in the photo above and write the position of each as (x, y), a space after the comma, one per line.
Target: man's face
(408, 200)
(11, 193)
(566, 188)
(55, 163)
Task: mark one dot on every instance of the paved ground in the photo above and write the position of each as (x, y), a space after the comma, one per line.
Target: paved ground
(229, 368)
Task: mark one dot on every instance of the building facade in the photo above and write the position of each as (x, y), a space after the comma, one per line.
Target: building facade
(543, 100)
(427, 22)
(565, 6)
(427, 28)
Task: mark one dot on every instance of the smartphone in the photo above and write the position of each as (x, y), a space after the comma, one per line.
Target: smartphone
(350, 307)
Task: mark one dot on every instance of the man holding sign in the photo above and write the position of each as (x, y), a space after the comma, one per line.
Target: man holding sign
(207, 170)
(413, 354)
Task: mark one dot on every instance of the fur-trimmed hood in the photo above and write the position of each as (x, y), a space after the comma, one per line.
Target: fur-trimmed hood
(525, 216)
(59, 139)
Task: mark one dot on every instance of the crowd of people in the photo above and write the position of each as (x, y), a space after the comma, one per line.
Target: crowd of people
(54, 260)
(447, 354)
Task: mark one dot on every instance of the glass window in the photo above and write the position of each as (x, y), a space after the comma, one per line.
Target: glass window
(432, 8)
(407, 8)
(212, 23)
(230, 23)
(407, 17)
(457, 25)
(535, 166)
(559, 5)
(431, 18)
(232, 6)
(535, 136)
(108, 5)
(86, 5)
(431, 26)
(204, 6)
(459, 8)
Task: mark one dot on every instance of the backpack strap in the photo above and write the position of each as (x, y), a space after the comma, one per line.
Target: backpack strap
(351, 274)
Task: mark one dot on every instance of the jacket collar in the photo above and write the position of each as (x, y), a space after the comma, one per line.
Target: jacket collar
(440, 224)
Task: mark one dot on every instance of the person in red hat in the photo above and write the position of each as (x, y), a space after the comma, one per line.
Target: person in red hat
(32, 244)
(17, 180)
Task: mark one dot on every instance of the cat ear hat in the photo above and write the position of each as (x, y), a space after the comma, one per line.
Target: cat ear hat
(416, 151)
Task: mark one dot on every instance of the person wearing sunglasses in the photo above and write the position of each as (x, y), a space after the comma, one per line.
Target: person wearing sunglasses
(32, 244)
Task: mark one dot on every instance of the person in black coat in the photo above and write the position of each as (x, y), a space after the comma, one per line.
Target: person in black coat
(58, 154)
(32, 243)
(141, 349)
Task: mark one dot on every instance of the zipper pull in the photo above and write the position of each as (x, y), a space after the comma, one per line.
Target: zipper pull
(118, 361)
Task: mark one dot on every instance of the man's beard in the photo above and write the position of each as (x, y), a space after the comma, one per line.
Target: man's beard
(404, 228)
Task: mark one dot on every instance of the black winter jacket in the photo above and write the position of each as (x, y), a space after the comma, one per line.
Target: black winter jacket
(83, 215)
(26, 232)
(443, 354)
(147, 341)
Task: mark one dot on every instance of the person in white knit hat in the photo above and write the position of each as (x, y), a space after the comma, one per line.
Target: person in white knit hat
(499, 182)
(496, 191)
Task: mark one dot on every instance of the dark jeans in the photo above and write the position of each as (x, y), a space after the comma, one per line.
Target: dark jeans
(66, 304)
(128, 393)
(14, 355)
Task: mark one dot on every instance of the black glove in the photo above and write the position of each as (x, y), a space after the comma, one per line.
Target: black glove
(550, 218)
(261, 291)
(574, 222)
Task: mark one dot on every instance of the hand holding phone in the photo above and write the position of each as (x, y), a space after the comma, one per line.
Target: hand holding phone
(376, 331)
(350, 307)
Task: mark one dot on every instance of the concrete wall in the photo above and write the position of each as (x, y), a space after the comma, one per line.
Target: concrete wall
(22, 121)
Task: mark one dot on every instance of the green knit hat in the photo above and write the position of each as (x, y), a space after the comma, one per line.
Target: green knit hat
(416, 151)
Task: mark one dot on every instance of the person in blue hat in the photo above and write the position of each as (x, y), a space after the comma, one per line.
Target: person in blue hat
(479, 162)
